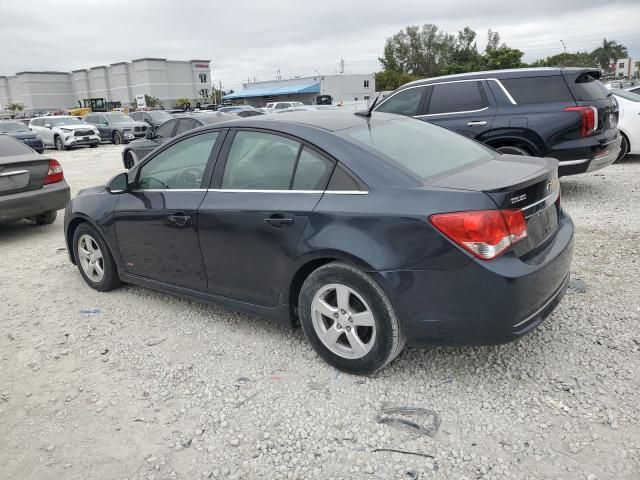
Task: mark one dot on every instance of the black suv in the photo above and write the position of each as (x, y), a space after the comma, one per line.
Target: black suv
(564, 113)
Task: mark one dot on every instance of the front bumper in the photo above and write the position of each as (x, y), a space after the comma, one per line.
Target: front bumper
(73, 141)
(483, 303)
(35, 143)
(29, 204)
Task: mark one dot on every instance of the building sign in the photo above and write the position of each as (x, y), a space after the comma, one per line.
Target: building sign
(201, 66)
(141, 102)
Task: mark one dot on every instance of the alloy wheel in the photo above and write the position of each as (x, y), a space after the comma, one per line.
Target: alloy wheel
(90, 257)
(117, 139)
(59, 144)
(343, 321)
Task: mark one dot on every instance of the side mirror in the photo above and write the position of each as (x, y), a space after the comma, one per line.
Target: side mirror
(47, 125)
(119, 183)
(150, 135)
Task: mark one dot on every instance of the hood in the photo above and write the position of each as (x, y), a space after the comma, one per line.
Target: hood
(97, 189)
(86, 126)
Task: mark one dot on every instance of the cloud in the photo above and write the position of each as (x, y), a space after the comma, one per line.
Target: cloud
(253, 38)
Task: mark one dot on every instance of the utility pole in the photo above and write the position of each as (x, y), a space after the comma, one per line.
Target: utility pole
(341, 66)
(563, 46)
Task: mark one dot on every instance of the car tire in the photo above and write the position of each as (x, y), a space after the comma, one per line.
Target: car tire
(59, 144)
(513, 150)
(94, 260)
(359, 332)
(129, 159)
(93, 145)
(116, 138)
(624, 148)
(46, 218)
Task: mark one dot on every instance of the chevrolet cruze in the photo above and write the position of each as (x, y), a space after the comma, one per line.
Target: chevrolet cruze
(372, 233)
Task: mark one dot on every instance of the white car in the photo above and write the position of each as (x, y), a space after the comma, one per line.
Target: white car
(277, 106)
(628, 121)
(64, 132)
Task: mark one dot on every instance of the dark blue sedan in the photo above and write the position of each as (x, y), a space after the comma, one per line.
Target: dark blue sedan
(371, 233)
(21, 132)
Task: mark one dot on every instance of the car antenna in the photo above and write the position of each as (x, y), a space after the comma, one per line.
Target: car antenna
(368, 113)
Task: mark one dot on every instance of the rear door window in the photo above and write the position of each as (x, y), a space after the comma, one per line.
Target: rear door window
(405, 102)
(457, 97)
(312, 171)
(529, 90)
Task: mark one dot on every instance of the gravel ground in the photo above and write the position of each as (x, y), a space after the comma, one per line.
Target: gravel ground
(137, 384)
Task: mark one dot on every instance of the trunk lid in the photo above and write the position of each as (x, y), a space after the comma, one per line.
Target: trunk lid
(22, 173)
(516, 182)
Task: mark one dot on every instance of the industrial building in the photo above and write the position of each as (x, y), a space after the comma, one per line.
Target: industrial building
(343, 89)
(165, 79)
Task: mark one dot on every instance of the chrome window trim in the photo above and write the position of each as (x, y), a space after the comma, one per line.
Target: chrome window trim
(236, 190)
(502, 87)
(450, 113)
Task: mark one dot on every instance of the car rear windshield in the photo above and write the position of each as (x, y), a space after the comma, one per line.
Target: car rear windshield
(586, 87)
(424, 149)
(9, 146)
(160, 116)
(13, 127)
(529, 90)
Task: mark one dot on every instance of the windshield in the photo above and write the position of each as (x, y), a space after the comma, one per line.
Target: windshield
(119, 118)
(634, 97)
(160, 116)
(297, 104)
(420, 147)
(57, 122)
(13, 127)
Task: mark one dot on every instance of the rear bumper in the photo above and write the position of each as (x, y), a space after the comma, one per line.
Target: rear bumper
(586, 158)
(482, 303)
(29, 204)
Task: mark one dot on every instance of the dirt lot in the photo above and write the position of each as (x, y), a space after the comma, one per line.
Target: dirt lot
(137, 384)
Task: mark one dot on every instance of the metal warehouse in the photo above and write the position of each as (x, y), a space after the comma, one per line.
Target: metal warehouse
(345, 88)
(165, 79)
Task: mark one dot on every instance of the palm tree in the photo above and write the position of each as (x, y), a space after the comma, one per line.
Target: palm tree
(608, 51)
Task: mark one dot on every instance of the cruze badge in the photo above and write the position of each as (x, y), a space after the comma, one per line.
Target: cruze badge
(519, 198)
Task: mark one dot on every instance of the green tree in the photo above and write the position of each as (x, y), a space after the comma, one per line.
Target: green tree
(578, 59)
(609, 52)
(182, 102)
(15, 107)
(390, 79)
(502, 57)
(152, 102)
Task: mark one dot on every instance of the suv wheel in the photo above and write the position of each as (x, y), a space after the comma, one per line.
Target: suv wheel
(59, 143)
(117, 138)
(349, 320)
(624, 148)
(129, 160)
(94, 259)
(513, 150)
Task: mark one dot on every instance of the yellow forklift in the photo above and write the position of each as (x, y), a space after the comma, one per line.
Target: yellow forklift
(89, 105)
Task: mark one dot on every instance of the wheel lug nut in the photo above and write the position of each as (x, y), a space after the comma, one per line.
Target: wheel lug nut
(348, 329)
(339, 326)
(351, 319)
(343, 311)
(335, 315)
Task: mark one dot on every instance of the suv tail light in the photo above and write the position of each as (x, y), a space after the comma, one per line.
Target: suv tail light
(589, 116)
(55, 173)
(484, 233)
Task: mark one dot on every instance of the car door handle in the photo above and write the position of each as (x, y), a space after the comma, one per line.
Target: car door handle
(278, 220)
(179, 219)
(480, 123)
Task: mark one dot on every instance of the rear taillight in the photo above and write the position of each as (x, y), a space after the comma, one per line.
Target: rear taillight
(484, 233)
(589, 119)
(55, 173)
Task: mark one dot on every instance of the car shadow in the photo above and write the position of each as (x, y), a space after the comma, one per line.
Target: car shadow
(16, 230)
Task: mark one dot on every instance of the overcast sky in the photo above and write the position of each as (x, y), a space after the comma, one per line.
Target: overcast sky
(247, 39)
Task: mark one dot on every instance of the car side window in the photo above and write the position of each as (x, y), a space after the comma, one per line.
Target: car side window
(181, 166)
(280, 106)
(457, 97)
(312, 171)
(101, 120)
(166, 129)
(405, 102)
(260, 161)
(185, 125)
